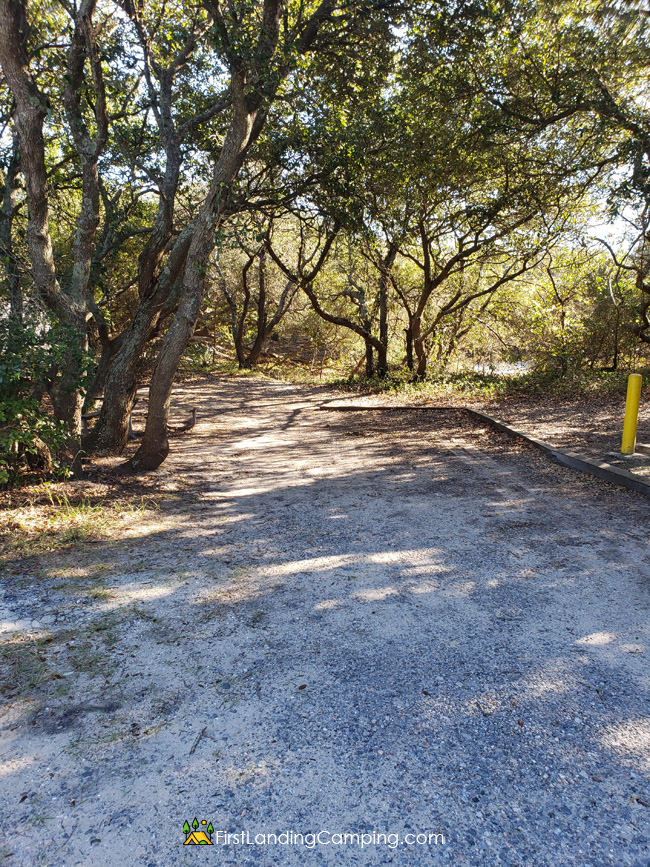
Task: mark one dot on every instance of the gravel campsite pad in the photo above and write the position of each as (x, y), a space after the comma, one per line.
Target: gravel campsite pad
(393, 623)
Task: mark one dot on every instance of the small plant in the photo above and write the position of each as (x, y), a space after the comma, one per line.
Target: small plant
(469, 386)
(31, 440)
(25, 664)
(62, 523)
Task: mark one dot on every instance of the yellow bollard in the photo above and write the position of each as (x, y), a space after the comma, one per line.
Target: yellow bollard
(632, 402)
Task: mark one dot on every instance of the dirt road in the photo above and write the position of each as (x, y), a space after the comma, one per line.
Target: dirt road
(337, 623)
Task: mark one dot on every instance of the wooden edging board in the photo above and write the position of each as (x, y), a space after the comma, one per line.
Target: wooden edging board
(599, 469)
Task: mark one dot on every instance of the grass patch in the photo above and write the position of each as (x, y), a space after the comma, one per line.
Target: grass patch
(31, 662)
(286, 369)
(463, 386)
(467, 387)
(24, 664)
(102, 594)
(58, 522)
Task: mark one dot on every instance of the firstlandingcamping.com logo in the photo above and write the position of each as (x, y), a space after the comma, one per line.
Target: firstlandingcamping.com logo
(200, 833)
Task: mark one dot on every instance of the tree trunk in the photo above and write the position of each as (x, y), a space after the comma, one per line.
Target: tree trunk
(616, 338)
(253, 356)
(239, 323)
(98, 382)
(239, 350)
(155, 445)
(246, 124)
(111, 432)
(31, 109)
(408, 332)
(261, 331)
(382, 360)
(421, 369)
(7, 214)
(419, 349)
(384, 278)
(67, 403)
(370, 361)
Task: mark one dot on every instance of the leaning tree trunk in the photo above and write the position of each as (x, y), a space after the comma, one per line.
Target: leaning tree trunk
(155, 445)
(155, 284)
(111, 432)
(252, 91)
(245, 126)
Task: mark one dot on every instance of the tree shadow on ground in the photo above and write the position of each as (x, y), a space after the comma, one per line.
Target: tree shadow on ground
(368, 626)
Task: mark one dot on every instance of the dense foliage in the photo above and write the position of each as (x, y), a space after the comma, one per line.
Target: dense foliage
(370, 185)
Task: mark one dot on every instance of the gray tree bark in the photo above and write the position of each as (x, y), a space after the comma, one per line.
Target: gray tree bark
(10, 205)
(69, 302)
(156, 283)
(244, 125)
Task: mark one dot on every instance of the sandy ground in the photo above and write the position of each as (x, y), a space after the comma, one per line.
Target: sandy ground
(587, 425)
(590, 425)
(396, 624)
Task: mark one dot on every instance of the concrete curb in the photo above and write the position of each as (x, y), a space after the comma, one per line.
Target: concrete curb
(599, 469)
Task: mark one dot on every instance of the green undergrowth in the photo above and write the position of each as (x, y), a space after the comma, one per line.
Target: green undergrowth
(477, 387)
(459, 387)
(285, 370)
(54, 521)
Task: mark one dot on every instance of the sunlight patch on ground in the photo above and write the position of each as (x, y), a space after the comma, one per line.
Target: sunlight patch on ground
(257, 443)
(424, 587)
(328, 604)
(136, 593)
(460, 588)
(418, 554)
(598, 638)
(376, 594)
(318, 564)
(340, 561)
(272, 487)
(633, 648)
(555, 680)
(632, 736)
(12, 766)
(17, 631)
(234, 593)
(426, 569)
